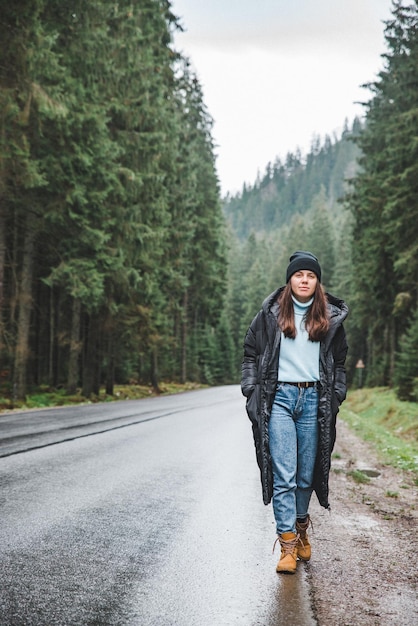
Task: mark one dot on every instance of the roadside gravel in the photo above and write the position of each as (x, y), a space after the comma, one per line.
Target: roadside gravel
(364, 553)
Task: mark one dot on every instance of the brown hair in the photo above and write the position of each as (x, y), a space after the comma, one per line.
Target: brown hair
(316, 319)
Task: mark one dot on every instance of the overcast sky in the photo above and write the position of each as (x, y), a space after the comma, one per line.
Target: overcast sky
(275, 73)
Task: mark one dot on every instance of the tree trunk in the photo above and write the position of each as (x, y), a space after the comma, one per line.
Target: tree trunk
(154, 370)
(98, 361)
(25, 308)
(75, 348)
(51, 337)
(110, 370)
(2, 259)
(184, 334)
(90, 361)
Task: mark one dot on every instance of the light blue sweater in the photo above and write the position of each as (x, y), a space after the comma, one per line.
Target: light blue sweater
(299, 357)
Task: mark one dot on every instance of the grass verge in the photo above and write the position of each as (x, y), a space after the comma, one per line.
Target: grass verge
(45, 397)
(391, 426)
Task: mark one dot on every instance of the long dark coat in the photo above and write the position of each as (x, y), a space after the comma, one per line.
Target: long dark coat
(259, 382)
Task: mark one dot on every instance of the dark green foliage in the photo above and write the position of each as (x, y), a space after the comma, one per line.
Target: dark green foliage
(294, 206)
(384, 200)
(369, 253)
(321, 236)
(113, 257)
(406, 369)
(288, 189)
(112, 236)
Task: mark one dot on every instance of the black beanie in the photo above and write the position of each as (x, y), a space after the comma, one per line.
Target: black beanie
(301, 260)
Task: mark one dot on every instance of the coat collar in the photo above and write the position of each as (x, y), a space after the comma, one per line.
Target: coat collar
(337, 308)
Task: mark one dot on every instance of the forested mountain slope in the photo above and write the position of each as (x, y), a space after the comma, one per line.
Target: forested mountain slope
(294, 205)
(113, 251)
(290, 188)
(367, 243)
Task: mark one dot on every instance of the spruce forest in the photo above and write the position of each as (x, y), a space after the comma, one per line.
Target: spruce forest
(119, 260)
(112, 250)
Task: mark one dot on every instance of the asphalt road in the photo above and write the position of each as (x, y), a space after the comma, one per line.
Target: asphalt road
(139, 513)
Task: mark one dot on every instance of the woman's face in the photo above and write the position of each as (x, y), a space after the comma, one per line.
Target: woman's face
(303, 284)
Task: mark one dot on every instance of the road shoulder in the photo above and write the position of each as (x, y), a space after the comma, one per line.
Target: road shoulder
(363, 569)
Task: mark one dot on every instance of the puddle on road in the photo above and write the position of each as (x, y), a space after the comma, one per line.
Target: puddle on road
(372, 473)
(292, 602)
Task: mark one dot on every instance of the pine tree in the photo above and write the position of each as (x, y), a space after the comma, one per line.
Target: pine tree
(320, 237)
(406, 369)
(31, 99)
(289, 188)
(384, 198)
(95, 138)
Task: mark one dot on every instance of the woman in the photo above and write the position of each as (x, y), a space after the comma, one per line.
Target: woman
(293, 377)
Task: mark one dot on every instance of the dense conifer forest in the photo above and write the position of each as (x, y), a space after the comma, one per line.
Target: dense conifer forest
(120, 262)
(112, 246)
(295, 205)
(352, 201)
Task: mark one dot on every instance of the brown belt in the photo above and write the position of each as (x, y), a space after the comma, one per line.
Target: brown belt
(301, 385)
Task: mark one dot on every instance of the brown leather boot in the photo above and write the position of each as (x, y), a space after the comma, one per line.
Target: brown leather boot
(289, 544)
(304, 547)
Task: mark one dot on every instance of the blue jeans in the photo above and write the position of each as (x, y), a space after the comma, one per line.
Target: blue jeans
(293, 440)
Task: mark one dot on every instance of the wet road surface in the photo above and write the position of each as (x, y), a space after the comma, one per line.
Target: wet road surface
(147, 513)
